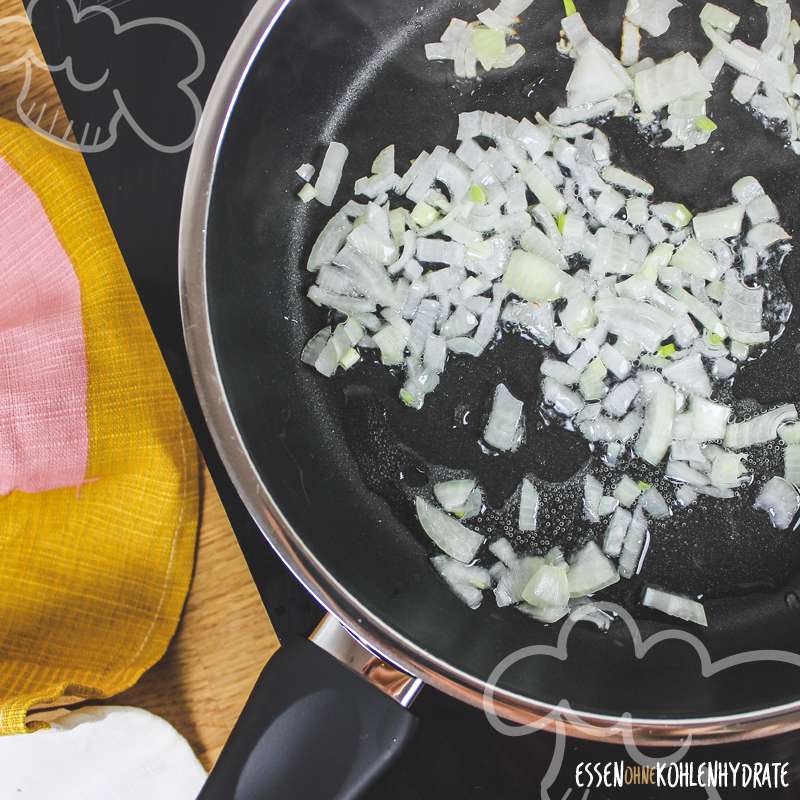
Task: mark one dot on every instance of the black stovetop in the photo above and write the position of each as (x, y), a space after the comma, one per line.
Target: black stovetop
(456, 753)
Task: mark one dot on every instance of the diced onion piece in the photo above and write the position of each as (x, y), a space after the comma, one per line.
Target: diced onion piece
(627, 491)
(683, 473)
(672, 79)
(721, 223)
(449, 535)
(504, 428)
(626, 180)
(746, 189)
(675, 605)
(544, 190)
(654, 504)
(631, 40)
(597, 75)
(306, 172)
(690, 375)
(685, 495)
(307, 193)
(615, 361)
(559, 371)
(330, 174)
(544, 614)
(548, 588)
(789, 432)
(638, 322)
(503, 550)
(763, 236)
(384, 162)
(528, 506)
(691, 257)
(590, 571)
(633, 546)
(452, 495)
(564, 400)
(726, 470)
(791, 464)
(674, 214)
(705, 422)
(619, 399)
(762, 209)
(719, 18)
(466, 581)
(592, 493)
(514, 579)
(652, 15)
(392, 345)
(760, 429)
(591, 382)
(534, 278)
(615, 532)
(701, 312)
(656, 434)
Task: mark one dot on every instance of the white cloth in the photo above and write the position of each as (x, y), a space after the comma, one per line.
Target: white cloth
(100, 753)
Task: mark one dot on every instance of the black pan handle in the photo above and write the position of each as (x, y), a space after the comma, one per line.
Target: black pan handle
(312, 729)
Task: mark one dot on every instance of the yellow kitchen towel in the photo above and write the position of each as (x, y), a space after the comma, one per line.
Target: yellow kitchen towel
(98, 466)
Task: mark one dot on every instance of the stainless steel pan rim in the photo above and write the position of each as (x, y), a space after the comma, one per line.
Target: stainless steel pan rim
(367, 627)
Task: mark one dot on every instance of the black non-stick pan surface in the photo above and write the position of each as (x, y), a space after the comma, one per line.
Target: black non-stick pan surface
(339, 455)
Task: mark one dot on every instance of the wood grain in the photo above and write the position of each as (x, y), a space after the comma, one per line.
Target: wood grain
(225, 637)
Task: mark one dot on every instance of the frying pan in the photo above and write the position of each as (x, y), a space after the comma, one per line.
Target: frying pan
(319, 462)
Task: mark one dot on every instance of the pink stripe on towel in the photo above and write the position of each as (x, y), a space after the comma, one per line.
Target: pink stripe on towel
(44, 439)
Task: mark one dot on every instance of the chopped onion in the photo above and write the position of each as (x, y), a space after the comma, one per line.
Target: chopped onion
(675, 605)
(675, 78)
(559, 371)
(652, 15)
(514, 579)
(534, 278)
(627, 491)
(656, 435)
(780, 500)
(631, 40)
(504, 428)
(330, 174)
(692, 258)
(633, 546)
(726, 470)
(528, 506)
(760, 429)
(654, 504)
(564, 400)
(619, 399)
(742, 311)
(690, 375)
(548, 588)
(466, 581)
(719, 18)
(590, 571)
(626, 180)
(686, 496)
(721, 223)
(615, 532)
(592, 494)
(638, 322)
(791, 464)
(449, 535)
(544, 614)
(763, 236)
(452, 495)
(683, 473)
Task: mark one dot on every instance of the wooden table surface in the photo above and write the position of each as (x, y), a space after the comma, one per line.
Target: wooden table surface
(225, 637)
